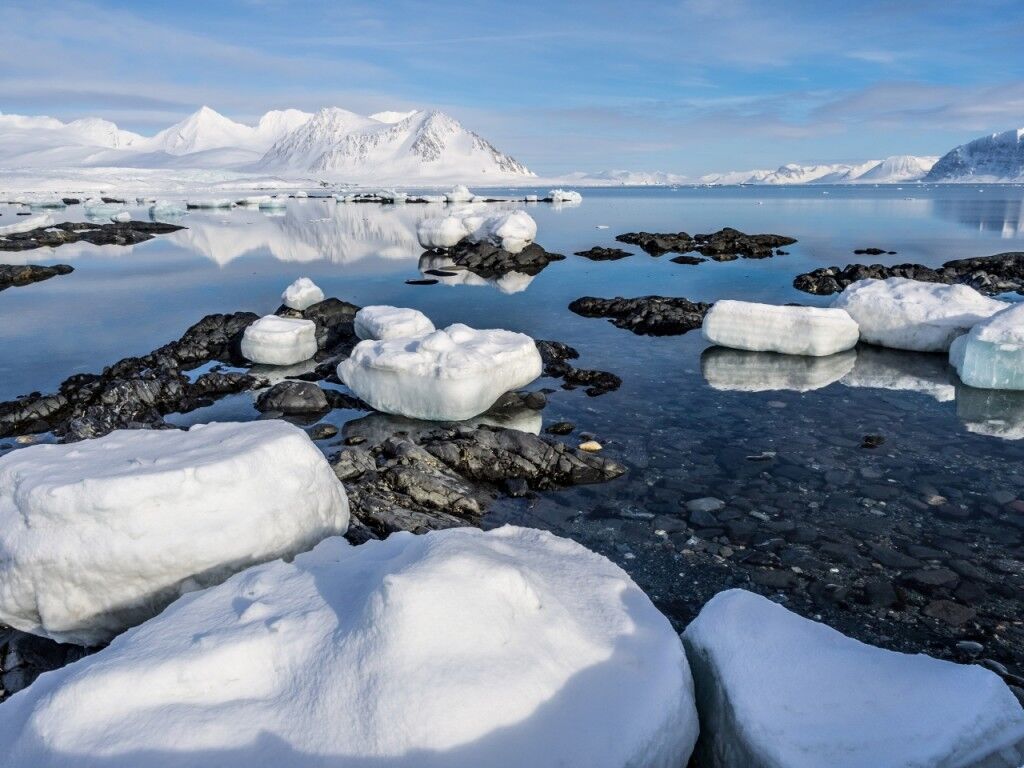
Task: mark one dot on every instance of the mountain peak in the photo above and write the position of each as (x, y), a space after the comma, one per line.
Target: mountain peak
(998, 157)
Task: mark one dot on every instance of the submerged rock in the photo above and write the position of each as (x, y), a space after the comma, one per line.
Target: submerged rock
(646, 315)
(25, 274)
(555, 356)
(724, 245)
(118, 233)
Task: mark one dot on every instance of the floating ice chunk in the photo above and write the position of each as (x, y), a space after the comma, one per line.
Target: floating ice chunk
(512, 231)
(273, 203)
(274, 340)
(993, 412)
(991, 354)
(442, 232)
(459, 194)
(775, 689)
(27, 224)
(302, 294)
(454, 649)
(121, 218)
(206, 202)
(448, 375)
(302, 194)
(47, 202)
(166, 208)
(99, 535)
(253, 200)
(880, 368)
(909, 314)
(566, 196)
(788, 330)
(531, 199)
(380, 321)
(97, 209)
(742, 371)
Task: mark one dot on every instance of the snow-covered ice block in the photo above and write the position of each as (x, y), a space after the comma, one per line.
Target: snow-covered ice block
(302, 294)
(741, 371)
(993, 412)
(512, 231)
(210, 202)
(97, 209)
(47, 201)
(274, 340)
(448, 375)
(27, 224)
(531, 198)
(273, 203)
(99, 535)
(168, 208)
(122, 217)
(898, 370)
(991, 354)
(455, 649)
(441, 232)
(459, 194)
(380, 321)
(565, 196)
(775, 689)
(908, 314)
(302, 194)
(788, 330)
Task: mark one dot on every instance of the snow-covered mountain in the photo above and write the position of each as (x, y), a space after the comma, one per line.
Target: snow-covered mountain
(629, 178)
(999, 157)
(898, 168)
(895, 169)
(420, 146)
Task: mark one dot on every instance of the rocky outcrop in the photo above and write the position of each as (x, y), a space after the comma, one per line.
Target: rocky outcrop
(726, 244)
(991, 275)
(645, 315)
(491, 261)
(25, 274)
(126, 233)
(598, 253)
(556, 356)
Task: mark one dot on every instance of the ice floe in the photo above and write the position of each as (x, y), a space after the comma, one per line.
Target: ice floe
(775, 689)
(743, 371)
(566, 196)
(27, 224)
(457, 648)
(909, 314)
(165, 208)
(302, 294)
(788, 330)
(380, 321)
(991, 354)
(99, 535)
(448, 375)
(121, 218)
(274, 340)
(459, 194)
(210, 202)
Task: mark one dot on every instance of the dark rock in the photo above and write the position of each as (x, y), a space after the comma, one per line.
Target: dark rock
(872, 251)
(322, 431)
(555, 356)
(24, 274)
(949, 612)
(646, 315)
(928, 579)
(293, 397)
(126, 233)
(775, 579)
(872, 441)
(688, 260)
(560, 428)
(421, 282)
(724, 245)
(23, 657)
(492, 261)
(891, 558)
(597, 253)
(880, 593)
(334, 320)
(70, 200)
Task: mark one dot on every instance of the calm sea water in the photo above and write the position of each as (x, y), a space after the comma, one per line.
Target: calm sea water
(685, 418)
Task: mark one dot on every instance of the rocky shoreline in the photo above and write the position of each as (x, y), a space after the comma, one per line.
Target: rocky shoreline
(12, 275)
(121, 233)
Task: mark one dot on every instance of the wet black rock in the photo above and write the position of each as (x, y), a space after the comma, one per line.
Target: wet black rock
(949, 612)
(293, 397)
(689, 260)
(991, 275)
(646, 315)
(123, 233)
(445, 477)
(70, 200)
(492, 261)
(555, 356)
(724, 245)
(872, 252)
(334, 320)
(322, 431)
(560, 428)
(421, 282)
(23, 657)
(25, 274)
(599, 253)
(872, 441)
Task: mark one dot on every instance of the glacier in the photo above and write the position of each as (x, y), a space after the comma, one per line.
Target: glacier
(991, 354)
(274, 340)
(788, 330)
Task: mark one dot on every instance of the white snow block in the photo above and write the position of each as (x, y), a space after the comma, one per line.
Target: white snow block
(207, 202)
(459, 194)
(909, 314)
(788, 330)
(442, 232)
(302, 294)
(27, 224)
(380, 321)
(775, 689)
(274, 203)
(99, 535)
(512, 231)
(121, 218)
(168, 208)
(991, 354)
(274, 340)
(565, 196)
(448, 375)
(897, 370)
(741, 371)
(454, 649)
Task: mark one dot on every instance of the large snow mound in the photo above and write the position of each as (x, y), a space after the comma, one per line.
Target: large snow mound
(775, 689)
(788, 330)
(512, 231)
(302, 294)
(274, 340)
(565, 196)
(448, 375)
(991, 354)
(908, 314)
(27, 224)
(99, 535)
(380, 321)
(741, 371)
(456, 648)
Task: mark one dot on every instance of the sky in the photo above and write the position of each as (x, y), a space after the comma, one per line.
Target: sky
(687, 87)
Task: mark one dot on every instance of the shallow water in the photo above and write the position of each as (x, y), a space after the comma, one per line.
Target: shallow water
(685, 420)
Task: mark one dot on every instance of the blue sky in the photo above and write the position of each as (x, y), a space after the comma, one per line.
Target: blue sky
(688, 87)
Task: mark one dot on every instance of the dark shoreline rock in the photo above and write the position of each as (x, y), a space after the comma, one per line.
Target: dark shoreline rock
(645, 315)
(492, 261)
(726, 244)
(12, 275)
(556, 355)
(122, 233)
(991, 275)
(599, 253)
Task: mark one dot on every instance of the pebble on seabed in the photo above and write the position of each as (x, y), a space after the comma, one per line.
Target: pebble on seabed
(590, 445)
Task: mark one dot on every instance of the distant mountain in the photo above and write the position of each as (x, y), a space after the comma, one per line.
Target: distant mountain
(999, 157)
(423, 146)
(203, 129)
(895, 169)
(629, 178)
(898, 168)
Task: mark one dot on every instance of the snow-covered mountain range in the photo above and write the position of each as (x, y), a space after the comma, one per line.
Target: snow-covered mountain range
(999, 157)
(891, 170)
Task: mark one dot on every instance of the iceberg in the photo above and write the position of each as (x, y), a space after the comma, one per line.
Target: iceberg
(27, 224)
(788, 330)
(121, 218)
(459, 194)
(448, 375)
(302, 294)
(207, 202)
(274, 340)
(991, 354)
(100, 535)
(881, 368)
(165, 208)
(378, 322)
(734, 370)
(453, 649)
(274, 203)
(908, 314)
(775, 689)
(97, 209)
(565, 196)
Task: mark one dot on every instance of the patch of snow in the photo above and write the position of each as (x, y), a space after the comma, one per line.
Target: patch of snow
(391, 117)
(99, 535)
(459, 194)
(788, 330)
(512, 231)
(991, 354)
(274, 340)
(302, 294)
(380, 322)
